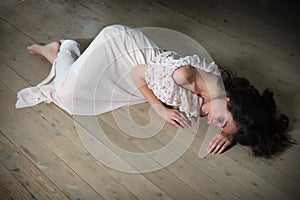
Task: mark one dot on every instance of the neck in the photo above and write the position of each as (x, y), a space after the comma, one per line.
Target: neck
(201, 86)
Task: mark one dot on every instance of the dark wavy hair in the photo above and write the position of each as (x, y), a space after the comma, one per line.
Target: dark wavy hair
(262, 128)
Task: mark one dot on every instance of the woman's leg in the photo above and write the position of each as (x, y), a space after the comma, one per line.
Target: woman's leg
(48, 51)
(65, 79)
(68, 53)
(63, 53)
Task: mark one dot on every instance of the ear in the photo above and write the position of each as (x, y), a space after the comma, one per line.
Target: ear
(227, 99)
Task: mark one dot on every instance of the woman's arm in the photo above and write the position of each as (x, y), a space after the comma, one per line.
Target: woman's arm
(173, 116)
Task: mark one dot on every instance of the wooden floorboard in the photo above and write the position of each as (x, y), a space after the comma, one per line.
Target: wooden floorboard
(43, 157)
(235, 177)
(21, 178)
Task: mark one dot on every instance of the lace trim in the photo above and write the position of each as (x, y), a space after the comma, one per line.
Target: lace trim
(159, 79)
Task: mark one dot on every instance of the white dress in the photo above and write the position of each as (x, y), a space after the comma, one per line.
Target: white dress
(99, 80)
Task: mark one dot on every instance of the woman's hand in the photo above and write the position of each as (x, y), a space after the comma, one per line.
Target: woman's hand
(219, 143)
(174, 116)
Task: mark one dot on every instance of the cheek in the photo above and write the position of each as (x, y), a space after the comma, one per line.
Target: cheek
(231, 127)
(206, 107)
(228, 130)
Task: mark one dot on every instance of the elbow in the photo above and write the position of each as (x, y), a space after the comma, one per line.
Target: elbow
(138, 75)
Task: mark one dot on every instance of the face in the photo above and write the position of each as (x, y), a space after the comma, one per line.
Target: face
(218, 115)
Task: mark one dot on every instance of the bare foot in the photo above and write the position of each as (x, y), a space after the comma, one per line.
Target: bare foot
(48, 51)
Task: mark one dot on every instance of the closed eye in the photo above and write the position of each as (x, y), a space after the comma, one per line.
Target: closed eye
(222, 122)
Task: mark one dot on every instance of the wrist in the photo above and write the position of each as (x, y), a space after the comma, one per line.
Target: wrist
(160, 109)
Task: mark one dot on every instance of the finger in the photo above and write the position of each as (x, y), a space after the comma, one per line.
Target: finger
(223, 148)
(219, 146)
(186, 122)
(182, 123)
(227, 143)
(212, 143)
(212, 146)
(179, 121)
(216, 142)
(175, 124)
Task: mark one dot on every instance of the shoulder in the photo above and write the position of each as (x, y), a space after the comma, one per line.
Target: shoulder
(184, 75)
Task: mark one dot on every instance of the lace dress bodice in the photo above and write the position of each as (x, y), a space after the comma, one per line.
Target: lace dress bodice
(159, 78)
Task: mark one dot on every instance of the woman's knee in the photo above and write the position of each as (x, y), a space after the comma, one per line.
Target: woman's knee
(70, 46)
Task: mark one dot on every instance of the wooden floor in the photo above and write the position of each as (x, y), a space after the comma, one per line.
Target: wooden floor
(41, 155)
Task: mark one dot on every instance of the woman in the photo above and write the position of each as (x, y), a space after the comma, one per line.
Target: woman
(123, 67)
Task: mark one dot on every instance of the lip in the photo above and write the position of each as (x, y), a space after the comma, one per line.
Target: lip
(205, 113)
(208, 118)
